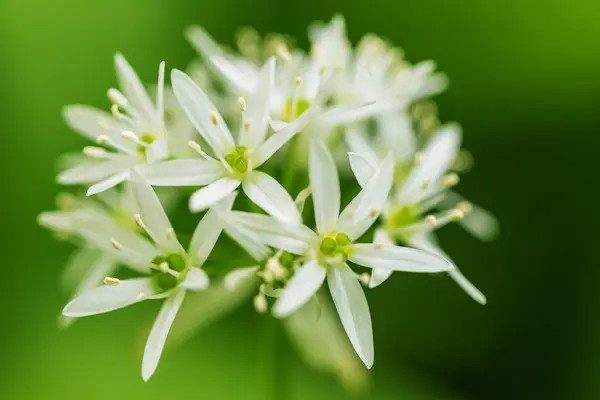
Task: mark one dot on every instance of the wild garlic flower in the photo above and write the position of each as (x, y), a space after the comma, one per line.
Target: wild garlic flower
(422, 188)
(135, 131)
(325, 252)
(235, 162)
(174, 271)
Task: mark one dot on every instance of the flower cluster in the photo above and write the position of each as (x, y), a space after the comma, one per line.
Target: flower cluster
(297, 133)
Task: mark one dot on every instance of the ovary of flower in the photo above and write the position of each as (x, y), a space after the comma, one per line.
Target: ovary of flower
(236, 162)
(326, 250)
(174, 271)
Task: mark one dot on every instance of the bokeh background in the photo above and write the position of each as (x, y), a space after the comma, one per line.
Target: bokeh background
(524, 84)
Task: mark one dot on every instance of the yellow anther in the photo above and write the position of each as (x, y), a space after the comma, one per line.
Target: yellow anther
(115, 244)
(109, 281)
(242, 104)
(456, 214)
(431, 219)
(214, 118)
(450, 180)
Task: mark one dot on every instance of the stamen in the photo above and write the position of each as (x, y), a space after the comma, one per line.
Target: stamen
(141, 296)
(101, 139)
(117, 98)
(132, 137)
(465, 207)
(450, 180)
(374, 212)
(139, 222)
(214, 118)
(323, 69)
(456, 214)
(298, 81)
(431, 220)
(260, 303)
(109, 281)
(364, 278)
(425, 184)
(169, 233)
(196, 147)
(115, 244)
(242, 104)
(95, 152)
(114, 109)
(247, 125)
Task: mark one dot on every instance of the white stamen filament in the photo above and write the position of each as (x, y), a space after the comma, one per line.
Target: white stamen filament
(163, 267)
(198, 149)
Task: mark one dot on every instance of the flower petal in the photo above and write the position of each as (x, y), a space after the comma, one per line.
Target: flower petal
(235, 277)
(353, 309)
(398, 135)
(153, 215)
(107, 183)
(325, 187)
(364, 210)
(196, 279)
(357, 141)
(205, 45)
(269, 195)
(95, 171)
(428, 243)
(281, 137)
(361, 167)
(135, 92)
(200, 110)
(159, 333)
(258, 107)
(205, 237)
(109, 298)
(378, 276)
(438, 156)
(211, 194)
(184, 172)
(92, 123)
(248, 241)
(304, 284)
(397, 258)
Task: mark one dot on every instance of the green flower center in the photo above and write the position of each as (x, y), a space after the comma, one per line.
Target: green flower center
(148, 139)
(403, 217)
(335, 246)
(238, 159)
(164, 279)
(290, 113)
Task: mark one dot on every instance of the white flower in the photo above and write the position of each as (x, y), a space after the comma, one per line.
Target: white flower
(235, 163)
(425, 187)
(136, 130)
(174, 270)
(324, 253)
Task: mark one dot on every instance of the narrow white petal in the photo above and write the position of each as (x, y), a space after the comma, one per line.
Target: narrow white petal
(79, 264)
(438, 156)
(153, 215)
(157, 151)
(92, 123)
(209, 195)
(325, 187)
(184, 172)
(399, 137)
(107, 183)
(159, 333)
(109, 298)
(235, 277)
(304, 284)
(258, 107)
(205, 237)
(428, 243)
(357, 141)
(95, 171)
(397, 258)
(361, 167)
(199, 110)
(248, 241)
(277, 125)
(353, 309)
(281, 137)
(134, 90)
(205, 45)
(362, 212)
(269, 195)
(378, 276)
(196, 279)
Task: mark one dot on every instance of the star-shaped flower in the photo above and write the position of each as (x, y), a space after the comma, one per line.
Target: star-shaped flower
(325, 252)
(235, 163)
(174, 271)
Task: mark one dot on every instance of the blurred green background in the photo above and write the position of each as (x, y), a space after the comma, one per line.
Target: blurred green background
(524, 84)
